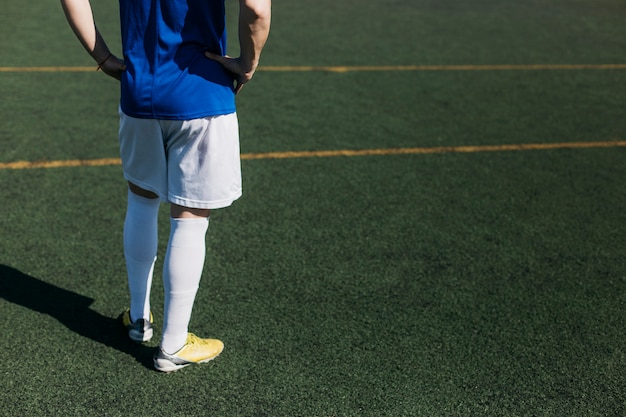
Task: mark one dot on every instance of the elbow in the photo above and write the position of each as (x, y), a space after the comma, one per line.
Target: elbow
(256, 10)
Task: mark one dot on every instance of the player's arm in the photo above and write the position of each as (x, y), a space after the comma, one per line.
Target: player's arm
(254, 28)
(80, 17)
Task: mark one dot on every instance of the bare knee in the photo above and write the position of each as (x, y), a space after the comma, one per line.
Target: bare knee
(180, 212)
(176, 211)
(141, 192)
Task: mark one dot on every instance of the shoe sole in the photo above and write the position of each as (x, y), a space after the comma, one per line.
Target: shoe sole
(167, 366)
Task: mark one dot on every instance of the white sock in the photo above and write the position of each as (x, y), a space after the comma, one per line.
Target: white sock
(140, 248)
(184, 261)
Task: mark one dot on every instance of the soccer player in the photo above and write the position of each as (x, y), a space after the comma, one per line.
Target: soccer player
(179, 142)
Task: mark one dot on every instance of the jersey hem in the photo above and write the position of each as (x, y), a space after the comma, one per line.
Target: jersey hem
(189, 116)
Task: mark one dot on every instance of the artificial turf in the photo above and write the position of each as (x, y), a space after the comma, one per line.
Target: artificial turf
(452, 284)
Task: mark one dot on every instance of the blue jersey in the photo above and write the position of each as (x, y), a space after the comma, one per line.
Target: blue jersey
(167, 75)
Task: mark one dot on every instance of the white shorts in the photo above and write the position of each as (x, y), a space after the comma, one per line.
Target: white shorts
(191, 163)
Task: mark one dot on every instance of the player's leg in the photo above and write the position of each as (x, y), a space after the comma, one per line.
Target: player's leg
(204, 173)
(182, 270)
(140, 250)
(143, 161)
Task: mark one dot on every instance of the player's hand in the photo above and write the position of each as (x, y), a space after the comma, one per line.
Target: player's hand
(235, 66)
(113, 67)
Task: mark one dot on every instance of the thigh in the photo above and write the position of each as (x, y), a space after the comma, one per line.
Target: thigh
(204, 168)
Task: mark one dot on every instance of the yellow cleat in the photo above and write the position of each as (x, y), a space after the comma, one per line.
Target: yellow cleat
(196, 350)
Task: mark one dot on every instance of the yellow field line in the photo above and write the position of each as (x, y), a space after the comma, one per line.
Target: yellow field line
(60, 164)
(444, 67)
(341, 69)
(344, 152)
(47, 69)
(433, 150)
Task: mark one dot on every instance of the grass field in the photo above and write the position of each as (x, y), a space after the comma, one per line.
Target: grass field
(433, 220)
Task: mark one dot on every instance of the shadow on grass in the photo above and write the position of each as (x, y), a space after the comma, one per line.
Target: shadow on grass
(72, 310)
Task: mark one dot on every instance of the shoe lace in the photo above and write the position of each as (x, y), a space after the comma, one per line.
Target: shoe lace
(192, 339)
